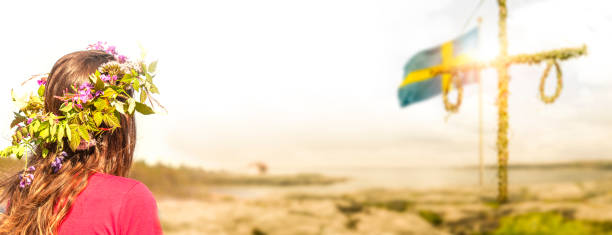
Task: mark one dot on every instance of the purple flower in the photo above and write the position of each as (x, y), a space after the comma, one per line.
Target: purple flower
(96, 46)
(25, 180)
(86, 85)
(121, 58)
(83, 94)
(111, 50)
(42, 82)
(29, 121)
(99, 93)
(107, 78)
(57, 162)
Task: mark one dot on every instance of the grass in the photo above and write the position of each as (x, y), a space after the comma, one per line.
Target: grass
(552, 223)
(432, 217)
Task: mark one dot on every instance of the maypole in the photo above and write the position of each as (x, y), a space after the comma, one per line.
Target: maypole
(419, 80)
(502, 106)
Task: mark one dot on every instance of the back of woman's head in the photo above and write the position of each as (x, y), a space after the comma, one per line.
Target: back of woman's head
(40, 207)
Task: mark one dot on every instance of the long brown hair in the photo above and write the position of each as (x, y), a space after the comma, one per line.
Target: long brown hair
(40, 207)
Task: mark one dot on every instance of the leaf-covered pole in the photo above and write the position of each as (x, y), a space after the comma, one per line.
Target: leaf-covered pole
(502, 107)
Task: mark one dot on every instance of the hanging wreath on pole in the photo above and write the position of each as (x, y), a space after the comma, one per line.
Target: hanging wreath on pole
(550, 99)
(457, 83)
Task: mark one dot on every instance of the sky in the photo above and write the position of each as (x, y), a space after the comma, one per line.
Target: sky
(303, 84)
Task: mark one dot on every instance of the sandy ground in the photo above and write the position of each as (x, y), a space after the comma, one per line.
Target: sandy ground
(462, 210)
(281, 217)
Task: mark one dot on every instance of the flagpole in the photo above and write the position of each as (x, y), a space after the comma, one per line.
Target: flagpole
(480, 145)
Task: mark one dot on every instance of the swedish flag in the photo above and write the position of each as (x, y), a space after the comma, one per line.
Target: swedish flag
(419, 83)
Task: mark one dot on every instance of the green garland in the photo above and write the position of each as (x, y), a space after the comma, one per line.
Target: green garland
(88, 110)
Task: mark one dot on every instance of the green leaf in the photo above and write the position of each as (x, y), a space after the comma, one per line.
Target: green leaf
(60, 132)
(154, 89)
(97, 116)
(127, 78)
(17, 120)
(76, 139)
(131, 105)
(43, 126)
(35, 125)
(101, 104)
(83, 132)
(109, 92)
(19, 136)
(20, 151)
(119, 107)
(98, 84)
(149, 78)
(153, 66)
(68, 131)
(112, 120)
(31, 130)
(44, 133)
(41, 91)
(45, 152)
(53, 129)
(144, 109)
(136, 84)
(143, 96)
(24, 131)
(66, 107)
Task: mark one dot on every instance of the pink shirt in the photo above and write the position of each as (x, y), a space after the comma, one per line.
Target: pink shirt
(112, 205)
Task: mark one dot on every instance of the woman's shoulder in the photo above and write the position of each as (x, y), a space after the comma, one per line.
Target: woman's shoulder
(124, 203)
(137, 208)
(117, 185)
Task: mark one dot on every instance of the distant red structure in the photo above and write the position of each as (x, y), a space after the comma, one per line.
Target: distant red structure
(262, 167)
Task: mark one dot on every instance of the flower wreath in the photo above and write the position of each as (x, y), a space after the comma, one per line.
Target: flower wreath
(89, 110)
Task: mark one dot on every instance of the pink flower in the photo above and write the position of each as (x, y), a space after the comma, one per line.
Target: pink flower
(107, 78)
(86, 85)
(29, 121)
(96, 46)
(121, 58)
(83, 95)
(42, 81)
(111, 50)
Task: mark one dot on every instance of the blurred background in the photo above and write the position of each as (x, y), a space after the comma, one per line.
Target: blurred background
(283, 115)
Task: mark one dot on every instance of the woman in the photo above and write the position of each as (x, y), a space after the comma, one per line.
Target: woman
(81, 189)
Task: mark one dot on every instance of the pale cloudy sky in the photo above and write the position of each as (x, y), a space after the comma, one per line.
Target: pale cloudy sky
(313, 83)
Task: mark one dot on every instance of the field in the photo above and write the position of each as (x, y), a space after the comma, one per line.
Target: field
(568, 205)
(564, 208)
(195, 201)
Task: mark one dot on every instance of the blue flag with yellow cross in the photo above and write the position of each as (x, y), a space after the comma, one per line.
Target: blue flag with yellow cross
(419, 81)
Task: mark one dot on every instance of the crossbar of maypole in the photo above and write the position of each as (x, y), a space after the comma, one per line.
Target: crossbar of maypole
(529, 59)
